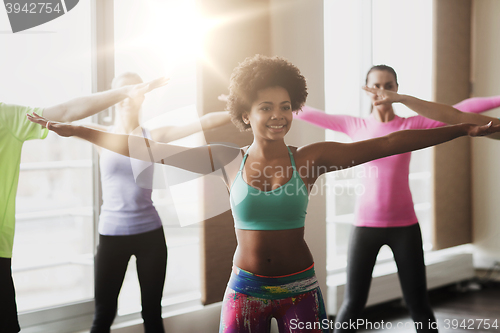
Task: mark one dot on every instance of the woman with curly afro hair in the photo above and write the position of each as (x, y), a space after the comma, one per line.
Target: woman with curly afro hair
(269, 182)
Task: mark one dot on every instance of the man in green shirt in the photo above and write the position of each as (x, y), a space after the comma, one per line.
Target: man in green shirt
(15, 128)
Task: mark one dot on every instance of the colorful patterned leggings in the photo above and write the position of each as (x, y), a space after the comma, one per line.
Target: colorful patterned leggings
(295, 301)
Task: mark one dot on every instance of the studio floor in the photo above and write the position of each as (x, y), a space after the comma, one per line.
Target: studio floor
(459, 308)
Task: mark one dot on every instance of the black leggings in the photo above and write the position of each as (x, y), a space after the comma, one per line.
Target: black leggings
(8, 309)
(406, 244)
(111, 260)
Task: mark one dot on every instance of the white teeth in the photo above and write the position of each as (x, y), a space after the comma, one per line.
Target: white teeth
(277, 126)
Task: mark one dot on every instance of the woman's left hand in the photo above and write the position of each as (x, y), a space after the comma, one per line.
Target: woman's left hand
(383, 96)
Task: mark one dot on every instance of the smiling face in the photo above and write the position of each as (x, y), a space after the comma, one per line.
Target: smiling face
(381, 79)
(270, 116)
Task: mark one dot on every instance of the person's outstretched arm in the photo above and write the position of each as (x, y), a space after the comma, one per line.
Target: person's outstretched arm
(335, 156)
(83, 107)
(436, 111)
(478, 104)
(201, 160)
(208, 121)
(338, 123)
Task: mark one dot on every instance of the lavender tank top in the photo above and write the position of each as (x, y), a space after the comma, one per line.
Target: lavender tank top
(127, 209)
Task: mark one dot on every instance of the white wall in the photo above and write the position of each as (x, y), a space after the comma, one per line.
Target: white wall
(485, 152)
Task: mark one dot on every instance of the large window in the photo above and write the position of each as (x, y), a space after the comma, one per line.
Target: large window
(55, 229)
(391, 32)
(163, 40)
(53, 247)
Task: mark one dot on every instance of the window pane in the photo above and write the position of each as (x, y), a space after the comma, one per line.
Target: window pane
(343, 78)
(396, 33)
(163, 41)
(402, 38)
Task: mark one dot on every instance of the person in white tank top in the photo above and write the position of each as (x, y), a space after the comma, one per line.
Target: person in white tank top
(129, 223)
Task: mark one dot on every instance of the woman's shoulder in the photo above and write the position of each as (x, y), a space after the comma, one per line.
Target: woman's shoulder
(306, 152)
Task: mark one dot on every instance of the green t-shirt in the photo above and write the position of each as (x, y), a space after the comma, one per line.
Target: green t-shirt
(15, 128)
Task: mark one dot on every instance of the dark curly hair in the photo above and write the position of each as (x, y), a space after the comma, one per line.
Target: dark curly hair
(261, 72)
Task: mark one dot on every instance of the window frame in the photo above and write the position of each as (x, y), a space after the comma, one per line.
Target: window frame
(365, 12)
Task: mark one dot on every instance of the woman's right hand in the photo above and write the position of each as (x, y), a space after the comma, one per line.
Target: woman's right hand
(383, 96)
(62, 129)
(141, 89)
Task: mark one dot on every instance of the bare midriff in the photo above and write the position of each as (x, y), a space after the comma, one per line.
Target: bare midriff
(272, 252)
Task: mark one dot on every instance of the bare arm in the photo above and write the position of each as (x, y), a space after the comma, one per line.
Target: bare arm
(97, 127)
(436, 111)
(335, 156)
(339, 123)
(445, 113)
(82, 107)
(201, 160)
(207, 121)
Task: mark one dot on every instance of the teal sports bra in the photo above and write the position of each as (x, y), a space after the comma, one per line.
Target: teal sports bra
(279, 209)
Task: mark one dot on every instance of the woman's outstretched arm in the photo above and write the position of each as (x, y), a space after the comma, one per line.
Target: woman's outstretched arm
(339, 123)
(478, 104)
(437, 111)
(201, 160)
(335, 156)
(207, 122)
(82, 107)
